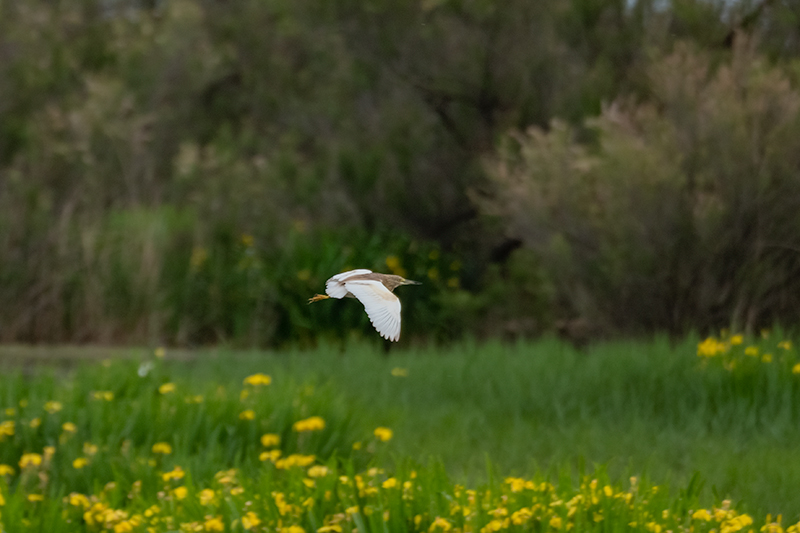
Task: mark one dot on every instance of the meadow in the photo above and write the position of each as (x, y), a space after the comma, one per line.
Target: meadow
(695, 435)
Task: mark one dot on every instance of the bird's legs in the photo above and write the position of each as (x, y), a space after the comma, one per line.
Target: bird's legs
(318, 297)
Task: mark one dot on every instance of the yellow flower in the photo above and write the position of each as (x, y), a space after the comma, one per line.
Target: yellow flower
(10, 411)
(441, 523)
(30, 459)
(80, 462)
(250, 520)
(400, 372)
(166, 388)
(701, 514)
(79, 500)
(49, 452)
(292, 529)
(357, 445)
(330, 528)
(162, 447)
(206, 497)
(737, 339)
(751, 350)
(6, 470)
(180, 492)
(796, 369)
(555, 522)
(318, 471)
(383, 434)
(106, 395)
(69, 427)
(389, 483)
(35, 497)
(175, 473)
(53, 407)
(314, 423)
(6, 429)
(160, 352)
(710, 347)
(89, 448)
(214, 524)
(786, 345)
(766, 358)
(257, 380)
(270, 439)
(35, 423)
(247, 415)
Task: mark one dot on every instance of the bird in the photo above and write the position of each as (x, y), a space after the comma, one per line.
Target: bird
(374, 290)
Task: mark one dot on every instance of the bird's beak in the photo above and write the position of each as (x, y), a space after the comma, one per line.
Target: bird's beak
(411, 282)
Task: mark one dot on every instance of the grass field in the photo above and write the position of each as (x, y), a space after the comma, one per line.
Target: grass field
(653, 436)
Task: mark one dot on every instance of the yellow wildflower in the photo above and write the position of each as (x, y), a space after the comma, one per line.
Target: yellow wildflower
(441, 523)
(737, 339)
(53, 407)
(80, 462)
(258, 380)
(160, 352)
(249, 414)
(214, 524)
(796, 369)
(314, 423)
(555, 522)
(35, 423)
(10, 411)
(35, 497)
(207, 496)
(89, 448)
(400, 372)
(330, 528)
(710, 347)
(389, 483)
(175, 473)
(786, 345)
(162, 447)
(766, 358)
(105, 395)
(180, 492)
(701, 514)
(292, 529)
(30, 459)
(6, 470)
(166, 388)
(383, 434)
(751, 351)
(6, 429)
(78, 500)
(250, 520)
(270, 439)
(318, 471)
(69, 427)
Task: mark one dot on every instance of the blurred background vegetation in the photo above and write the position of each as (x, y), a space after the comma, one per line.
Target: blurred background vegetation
(191, 171)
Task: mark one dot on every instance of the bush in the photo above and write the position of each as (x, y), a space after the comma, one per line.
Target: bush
(682, 211)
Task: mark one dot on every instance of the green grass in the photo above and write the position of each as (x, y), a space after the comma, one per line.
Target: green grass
(539, 410)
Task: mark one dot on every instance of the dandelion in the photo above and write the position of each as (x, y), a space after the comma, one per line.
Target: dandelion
(250, 520)
(710, 347)
(162, 448)
(318, 471)
(751, 351)
(796, 369)
(389, 483)
(270, 439)
(737, 339)
(247, 415)
(400, 372)
(80, 462)
(6, 470)
(292, 529)
(53, 407)
(175, 473)
(30, 459)
(314, 423)
(6, 429)
(383, 434)
(180, 492)
(166, 388)
(69, 427)
(258, 380)
(214, 524)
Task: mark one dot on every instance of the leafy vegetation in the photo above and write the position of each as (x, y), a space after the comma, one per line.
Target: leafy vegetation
(673, 436)
(188, 172)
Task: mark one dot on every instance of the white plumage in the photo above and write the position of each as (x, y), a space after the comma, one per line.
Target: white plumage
(381, 305)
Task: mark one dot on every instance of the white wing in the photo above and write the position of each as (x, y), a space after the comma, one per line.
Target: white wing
(335, 286)
(383, 307)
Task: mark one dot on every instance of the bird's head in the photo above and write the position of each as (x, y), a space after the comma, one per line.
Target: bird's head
(392, 282)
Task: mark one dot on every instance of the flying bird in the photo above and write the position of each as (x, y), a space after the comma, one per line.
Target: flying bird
(375, 292)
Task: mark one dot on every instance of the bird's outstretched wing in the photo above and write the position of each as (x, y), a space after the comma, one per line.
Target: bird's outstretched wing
(335, 286)
(382, 306)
